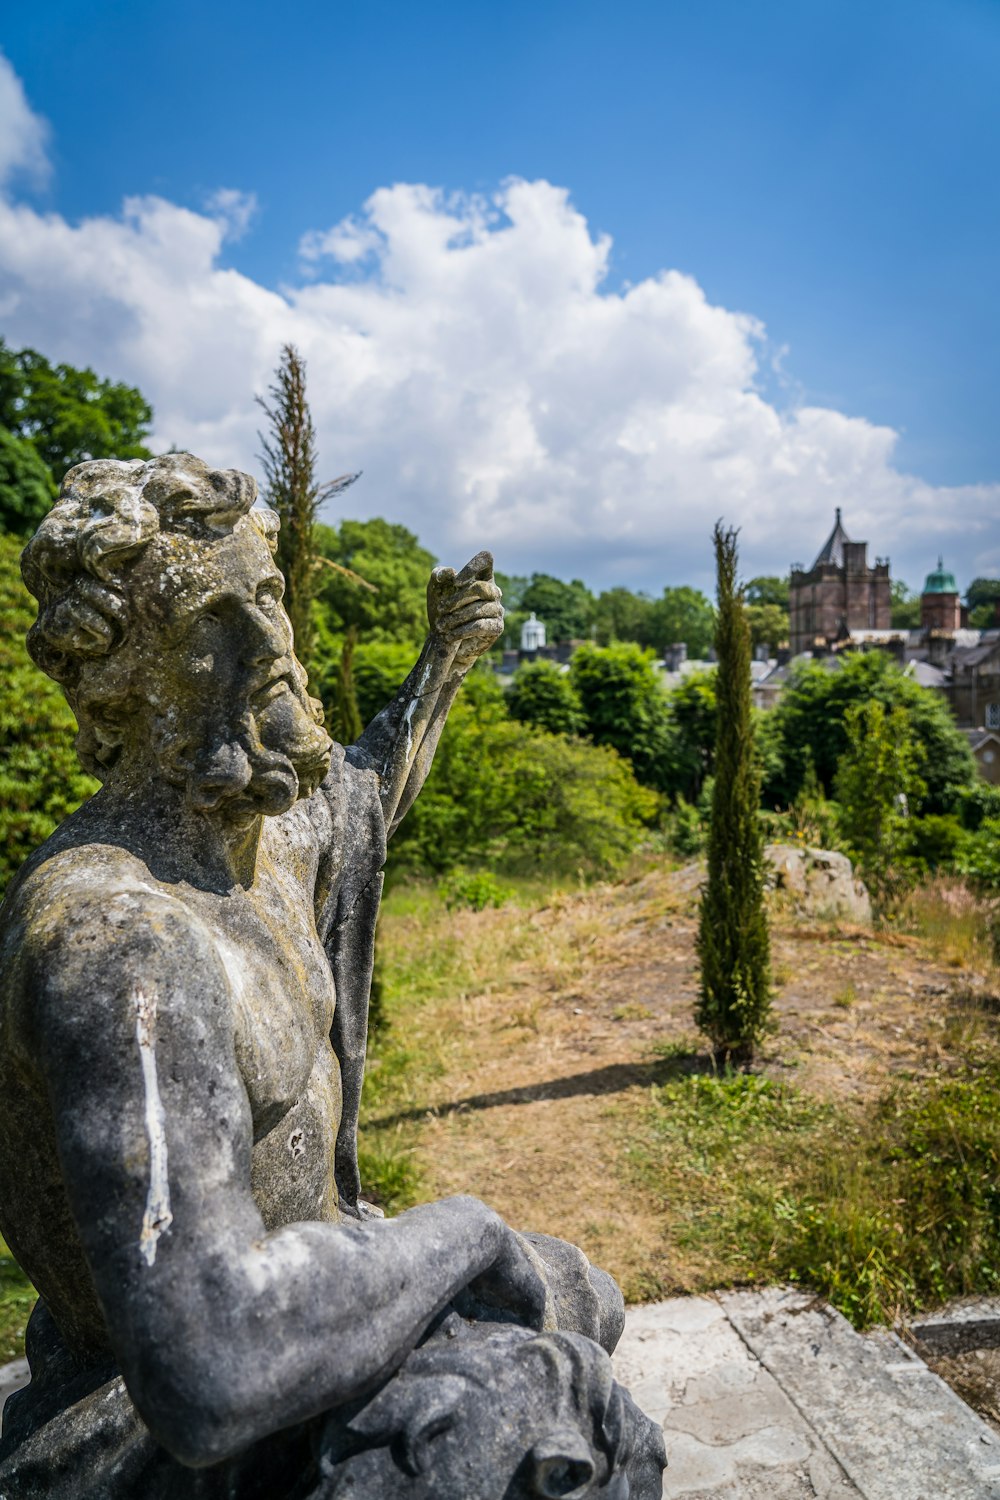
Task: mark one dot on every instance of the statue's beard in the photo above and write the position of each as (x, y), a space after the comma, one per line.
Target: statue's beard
(258, 757)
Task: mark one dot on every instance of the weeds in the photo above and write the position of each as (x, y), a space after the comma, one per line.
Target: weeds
(880, 1210)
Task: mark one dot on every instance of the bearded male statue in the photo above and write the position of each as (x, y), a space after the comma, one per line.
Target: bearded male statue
(183, 1010)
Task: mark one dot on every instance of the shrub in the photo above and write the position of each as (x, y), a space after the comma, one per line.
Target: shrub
(41, 782)
(625, 708)
(811, 718)
(501, 792)
(542, 694)
(474, 889)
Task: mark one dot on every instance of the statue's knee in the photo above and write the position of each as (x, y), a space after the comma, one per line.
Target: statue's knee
(612, 1308)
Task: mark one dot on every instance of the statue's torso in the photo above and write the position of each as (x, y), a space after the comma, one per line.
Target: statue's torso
(281, 998)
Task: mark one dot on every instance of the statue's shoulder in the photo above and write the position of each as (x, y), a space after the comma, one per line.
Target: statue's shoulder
(68, 888)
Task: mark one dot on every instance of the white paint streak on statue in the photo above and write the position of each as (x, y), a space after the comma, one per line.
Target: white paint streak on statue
(158, 1218)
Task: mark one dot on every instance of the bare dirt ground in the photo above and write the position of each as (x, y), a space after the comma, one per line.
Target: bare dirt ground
(541, 1063)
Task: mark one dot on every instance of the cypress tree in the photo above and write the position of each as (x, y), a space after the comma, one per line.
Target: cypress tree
(288, 458)
(733, 945)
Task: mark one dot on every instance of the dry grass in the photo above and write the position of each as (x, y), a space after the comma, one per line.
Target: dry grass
(537, 1040)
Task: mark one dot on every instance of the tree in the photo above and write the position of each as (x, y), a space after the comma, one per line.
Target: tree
(621, 615)
(982, 597)
(26, 488)
(379, 583)
(733, 942)
(877, 786)
(565, 609)
(505, 793)
(40, 777)
(625, 707)
(288, 458)
(982, 591)
(905, 606)
(810, 717)
(69, 415)
(543, 695)
(683, 614)
(768, 625)
(768, 589)
(691, 712)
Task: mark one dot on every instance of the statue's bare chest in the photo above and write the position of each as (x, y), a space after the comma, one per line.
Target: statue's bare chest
(283, 1001)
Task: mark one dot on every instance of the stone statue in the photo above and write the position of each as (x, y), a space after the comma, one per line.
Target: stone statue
(183, 1012)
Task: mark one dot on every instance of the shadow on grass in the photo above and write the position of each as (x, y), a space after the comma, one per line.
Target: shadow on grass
(613, 1079)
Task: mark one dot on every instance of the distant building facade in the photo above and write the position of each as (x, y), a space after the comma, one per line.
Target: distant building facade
(532, 634)
(838, 595)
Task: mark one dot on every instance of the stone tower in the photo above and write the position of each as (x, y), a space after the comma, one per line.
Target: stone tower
(940, 608)
(838, 595)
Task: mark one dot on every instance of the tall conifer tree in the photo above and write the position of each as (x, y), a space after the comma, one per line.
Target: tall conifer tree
(733, 943)
(288, 458)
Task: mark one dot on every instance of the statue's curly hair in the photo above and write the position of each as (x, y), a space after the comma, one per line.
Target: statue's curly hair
(77, 564)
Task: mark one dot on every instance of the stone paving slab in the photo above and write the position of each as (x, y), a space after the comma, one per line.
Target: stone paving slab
(731, 1432)
(774, 1394)
(895, 1427)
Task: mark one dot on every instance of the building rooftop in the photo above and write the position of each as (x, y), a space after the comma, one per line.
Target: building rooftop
(940, 582)
(832, 550)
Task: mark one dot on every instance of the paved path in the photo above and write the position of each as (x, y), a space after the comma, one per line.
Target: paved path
(773, 1396)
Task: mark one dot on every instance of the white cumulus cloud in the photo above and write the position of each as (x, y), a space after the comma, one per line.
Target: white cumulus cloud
(23, 134)
(470, 355)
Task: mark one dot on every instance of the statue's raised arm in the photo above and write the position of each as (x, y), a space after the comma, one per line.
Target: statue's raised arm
(466, 619)
(183, 972)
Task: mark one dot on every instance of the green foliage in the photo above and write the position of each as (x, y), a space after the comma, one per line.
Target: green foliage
(814, 820)
(691, 714)
(933, 843)
(504, 793)
(810, 717)
(768, 589)
(474, 890)
(565, 609)
(768, 625)
(625, 708)
(26, 488)
(621, 615)
(543, 694)
(17, 1298)
(379, 669)
(877, 783)
(733, 942)
(344, 714)
(680, 614)
(979, 856)
(685, 829)
(881, 1213)
(67, 414)
(982, 591)
(40, 777)
(391, 560)
(683, 614)
(905, 606)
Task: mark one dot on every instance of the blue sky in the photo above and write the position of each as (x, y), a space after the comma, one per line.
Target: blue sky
(829, 170)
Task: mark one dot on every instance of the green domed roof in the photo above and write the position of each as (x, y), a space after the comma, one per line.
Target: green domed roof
(940, 582)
